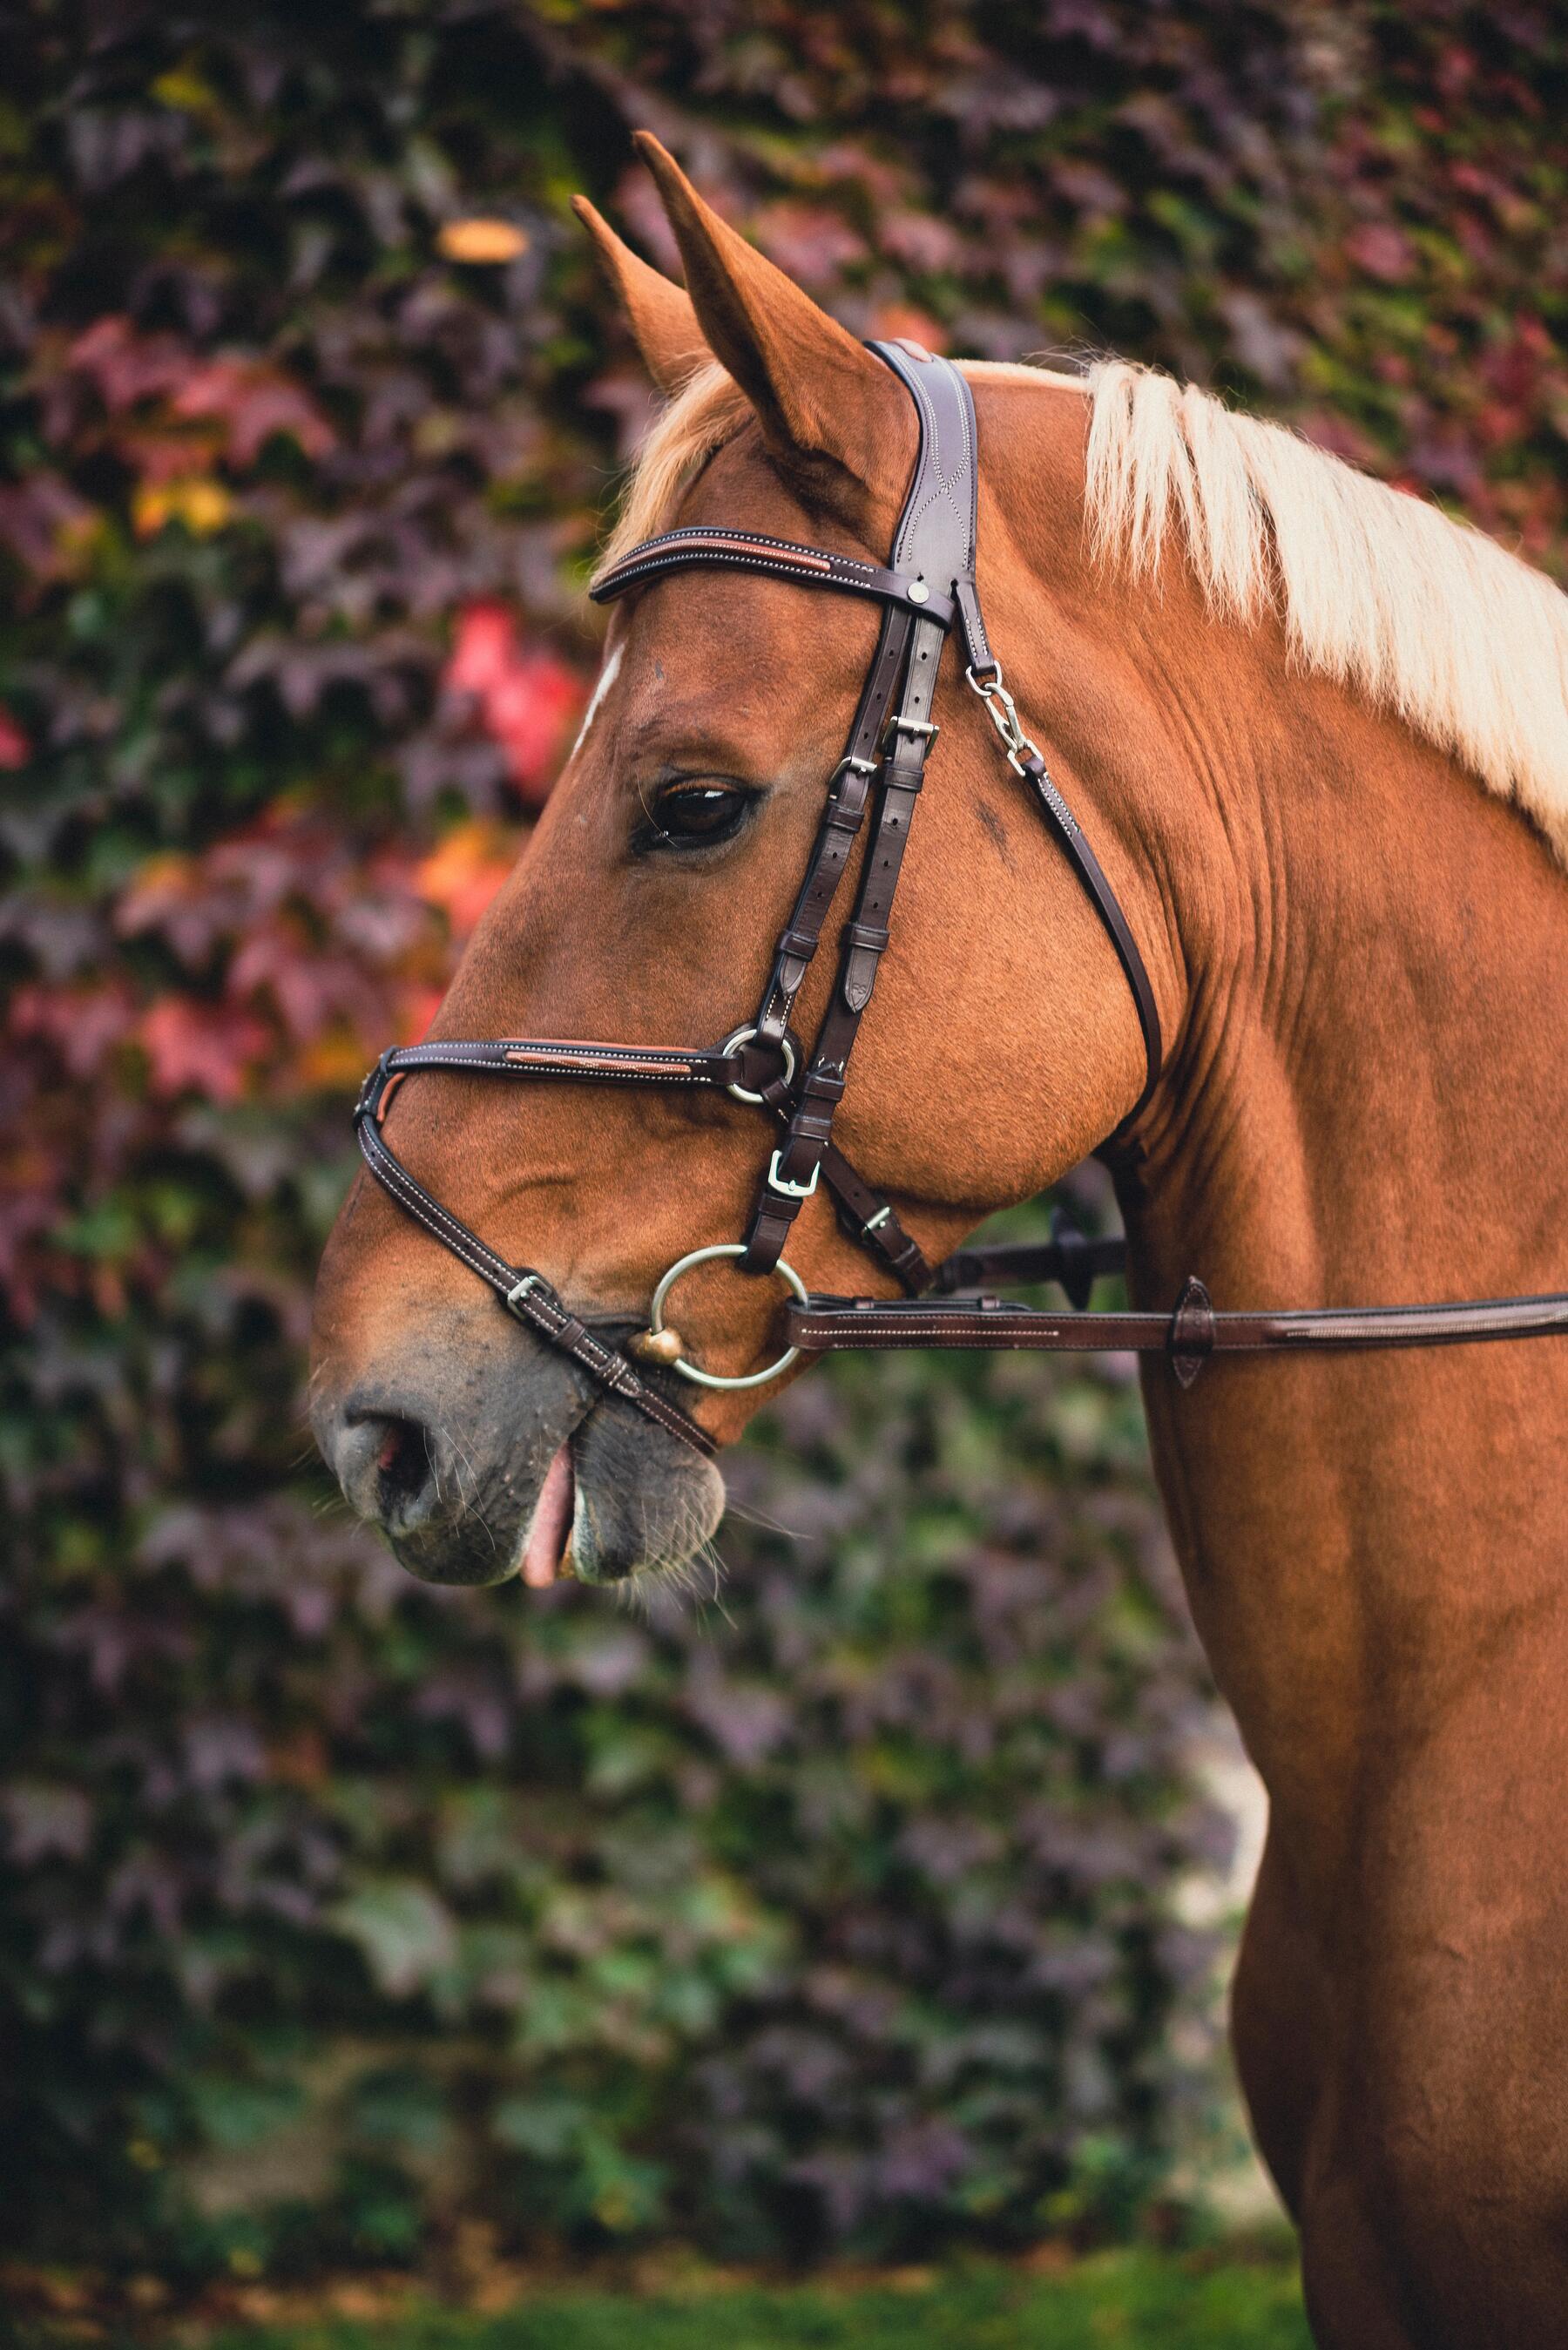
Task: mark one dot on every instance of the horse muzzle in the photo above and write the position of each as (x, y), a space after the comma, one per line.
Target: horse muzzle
(482, 1461)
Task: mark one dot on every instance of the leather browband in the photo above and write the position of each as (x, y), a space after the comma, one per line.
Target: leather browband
(928, 588)
(738, 550)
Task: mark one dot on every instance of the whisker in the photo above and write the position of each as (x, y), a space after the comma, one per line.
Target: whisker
(760, 1518)
(460, 1457)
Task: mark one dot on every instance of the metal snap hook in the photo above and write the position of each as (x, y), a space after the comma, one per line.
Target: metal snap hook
(1003, 712)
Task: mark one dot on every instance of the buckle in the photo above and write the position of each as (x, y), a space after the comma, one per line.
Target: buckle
(782, 1184)
(520, 1290)
(898, 725)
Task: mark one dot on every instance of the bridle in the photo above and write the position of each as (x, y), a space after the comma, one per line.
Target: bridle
(927, 589)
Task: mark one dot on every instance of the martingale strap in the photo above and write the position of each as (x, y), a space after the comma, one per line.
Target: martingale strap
(1103, 898)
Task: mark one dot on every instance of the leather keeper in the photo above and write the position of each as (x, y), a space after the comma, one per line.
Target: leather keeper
(805, 1138)
(970, 619)
(1192, 1340)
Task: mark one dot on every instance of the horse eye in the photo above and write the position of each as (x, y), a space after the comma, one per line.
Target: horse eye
(698, 812)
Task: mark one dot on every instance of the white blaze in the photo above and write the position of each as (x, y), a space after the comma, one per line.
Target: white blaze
(606, 680)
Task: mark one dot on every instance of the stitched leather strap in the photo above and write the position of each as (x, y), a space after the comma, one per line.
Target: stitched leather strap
(936, 543)
(543, 1056)
(1190, 1333)
(524, 1292)
(783, 559)
(848, 798)
(865, 1216)
(1103, 898)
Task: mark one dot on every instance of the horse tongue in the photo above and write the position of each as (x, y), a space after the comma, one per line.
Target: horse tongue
(552, 1526)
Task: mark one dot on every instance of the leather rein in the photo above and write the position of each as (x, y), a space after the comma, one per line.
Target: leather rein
(926, 591)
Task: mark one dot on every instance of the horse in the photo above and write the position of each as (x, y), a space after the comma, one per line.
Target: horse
(1319, 734)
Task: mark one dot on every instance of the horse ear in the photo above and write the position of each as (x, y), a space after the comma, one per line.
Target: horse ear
(663, 323)
(817, 393)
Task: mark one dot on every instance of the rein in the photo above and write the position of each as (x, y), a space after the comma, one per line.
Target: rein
(927, 590)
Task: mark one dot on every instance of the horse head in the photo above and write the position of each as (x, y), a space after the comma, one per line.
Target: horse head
(998, 1049)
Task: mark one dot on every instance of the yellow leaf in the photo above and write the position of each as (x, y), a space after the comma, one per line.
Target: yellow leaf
(481, 240)
(186, 90)
(336, 1060)
(202, 504)
(463, 872)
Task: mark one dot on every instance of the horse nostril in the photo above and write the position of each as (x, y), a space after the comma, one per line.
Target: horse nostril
(403, 1465)
(386, 1465)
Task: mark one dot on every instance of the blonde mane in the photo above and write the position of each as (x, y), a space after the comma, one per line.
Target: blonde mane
(1423, 615)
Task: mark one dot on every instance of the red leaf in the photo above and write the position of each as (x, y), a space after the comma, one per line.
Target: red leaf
(206, 1047)
(253, 401)
(483, 646)
(1382, 250)
(527, 698)
(83, 1025)
(15, 748)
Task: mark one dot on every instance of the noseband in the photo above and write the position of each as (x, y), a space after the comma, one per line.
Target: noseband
(927, 590)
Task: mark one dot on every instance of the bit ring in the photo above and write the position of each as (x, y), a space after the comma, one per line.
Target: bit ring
(702, 1378)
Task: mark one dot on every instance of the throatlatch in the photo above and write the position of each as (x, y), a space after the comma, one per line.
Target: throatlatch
(927, 590)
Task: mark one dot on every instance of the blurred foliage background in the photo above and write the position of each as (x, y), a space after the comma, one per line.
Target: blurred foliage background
(838, 1911)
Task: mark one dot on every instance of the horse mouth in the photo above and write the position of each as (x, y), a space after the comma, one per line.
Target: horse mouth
(516, 1478)
(548, 1540)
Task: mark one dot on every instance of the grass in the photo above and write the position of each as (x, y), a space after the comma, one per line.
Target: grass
(1120, 2301)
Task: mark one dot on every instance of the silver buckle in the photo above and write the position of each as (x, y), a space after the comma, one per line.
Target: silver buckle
(520, 1289)
(898, 725)
(782, 1184)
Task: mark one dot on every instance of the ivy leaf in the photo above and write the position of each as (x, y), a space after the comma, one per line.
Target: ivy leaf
(407, 1936)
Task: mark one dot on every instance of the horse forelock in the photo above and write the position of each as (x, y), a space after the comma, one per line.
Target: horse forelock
(707, 410)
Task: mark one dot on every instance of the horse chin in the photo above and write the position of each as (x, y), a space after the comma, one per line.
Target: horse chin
(645, 1503)
(471, 1561)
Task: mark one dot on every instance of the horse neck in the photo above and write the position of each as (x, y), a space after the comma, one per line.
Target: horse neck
(1365, 1104)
